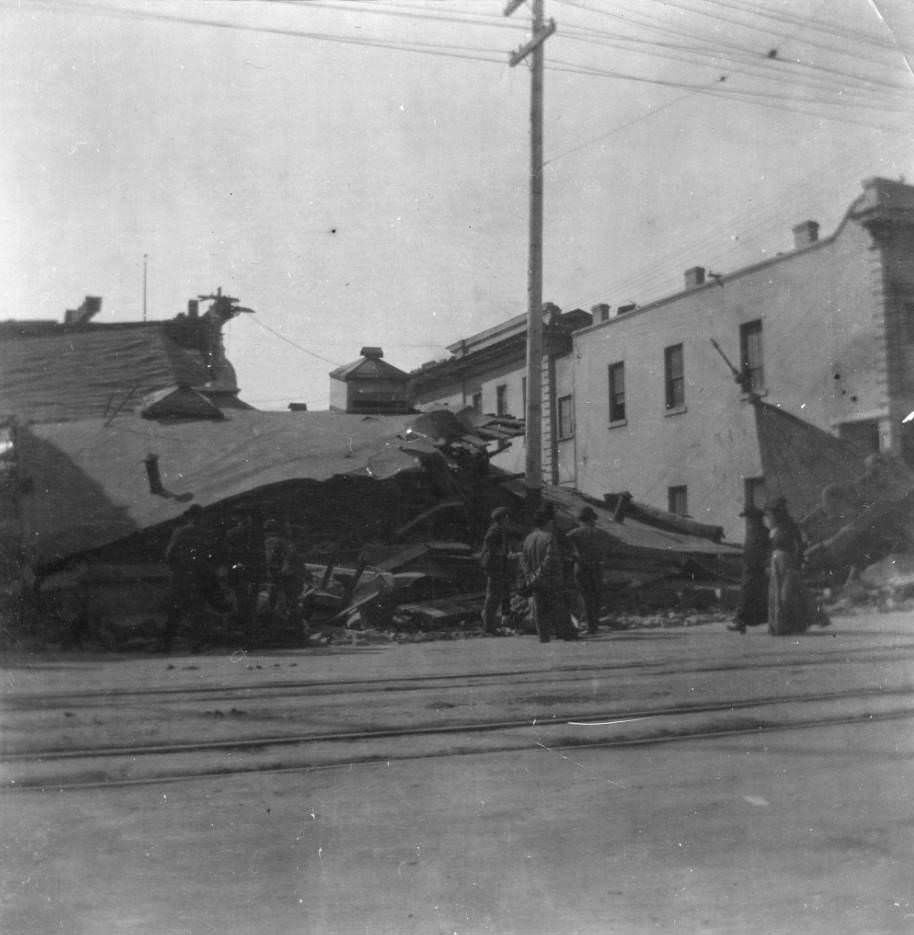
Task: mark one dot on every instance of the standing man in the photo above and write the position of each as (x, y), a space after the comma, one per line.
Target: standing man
(753, 592)
(246, 568)
(187, 555)
(494, 561)
(541, 563)
(589, 545)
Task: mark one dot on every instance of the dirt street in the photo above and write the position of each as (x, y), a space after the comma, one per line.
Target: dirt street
(785, 816)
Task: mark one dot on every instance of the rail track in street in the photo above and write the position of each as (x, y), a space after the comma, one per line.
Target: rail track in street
(358, 722)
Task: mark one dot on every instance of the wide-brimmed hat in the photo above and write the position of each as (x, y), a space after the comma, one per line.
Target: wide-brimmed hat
(587, 512)
(752, 510)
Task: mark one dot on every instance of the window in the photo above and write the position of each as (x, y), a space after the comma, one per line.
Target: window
(678, 500)
(523, 397)
(566, 416)
(675, 380)
(477, 401)
(617, 392)
(750, 356)
(501, 399)
(754, 492)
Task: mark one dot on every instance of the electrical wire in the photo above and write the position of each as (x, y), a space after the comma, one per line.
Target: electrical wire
(646, 22)
(814, 184)
(289, 341)
(764, 66)
(452, 52)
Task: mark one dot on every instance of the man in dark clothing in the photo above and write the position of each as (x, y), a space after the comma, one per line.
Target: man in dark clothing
(494, 561)
(286, 572)
(589, 545)
(541, 563)
(246, 567)
(188, 558)
(753, 595)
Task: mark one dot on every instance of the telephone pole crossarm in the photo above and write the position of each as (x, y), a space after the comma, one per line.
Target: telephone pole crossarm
(517, 57)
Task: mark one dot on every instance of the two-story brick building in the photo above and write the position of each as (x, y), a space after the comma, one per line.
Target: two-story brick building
(825, 331)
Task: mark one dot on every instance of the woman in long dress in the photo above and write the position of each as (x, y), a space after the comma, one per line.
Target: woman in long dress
(790, 607)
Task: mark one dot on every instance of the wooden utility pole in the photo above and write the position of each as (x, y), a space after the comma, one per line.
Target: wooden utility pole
(533, 473)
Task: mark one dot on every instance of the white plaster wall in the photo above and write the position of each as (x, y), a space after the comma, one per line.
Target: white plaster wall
(822, 320)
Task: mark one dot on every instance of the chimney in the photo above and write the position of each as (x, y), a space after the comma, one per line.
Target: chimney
(694, 277)
(805, 234)
(193, 308)
(600, 312)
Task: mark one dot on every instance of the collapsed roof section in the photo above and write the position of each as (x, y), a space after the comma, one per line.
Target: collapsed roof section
(853, 505)
(88, 484)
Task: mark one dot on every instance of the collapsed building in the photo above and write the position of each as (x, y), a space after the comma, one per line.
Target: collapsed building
(115, 430)
(377, 494)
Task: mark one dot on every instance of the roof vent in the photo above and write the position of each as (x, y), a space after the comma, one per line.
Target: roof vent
(372, 353)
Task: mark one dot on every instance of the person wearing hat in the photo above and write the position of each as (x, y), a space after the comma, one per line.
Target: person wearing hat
(494, 561)
(589, 545)
(188, 558)
(541, 564)
(753, 594)
(791, 608)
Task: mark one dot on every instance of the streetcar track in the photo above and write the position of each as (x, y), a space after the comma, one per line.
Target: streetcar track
(756, 729)
(473, 727)
(86, 699)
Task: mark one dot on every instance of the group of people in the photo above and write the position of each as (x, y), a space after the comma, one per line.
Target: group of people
(772, 589)
(543, 571)
(227, 569)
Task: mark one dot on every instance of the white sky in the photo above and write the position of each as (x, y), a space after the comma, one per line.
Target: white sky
(358, 172)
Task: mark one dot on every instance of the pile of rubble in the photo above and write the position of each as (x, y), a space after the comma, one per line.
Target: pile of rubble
(391, 545)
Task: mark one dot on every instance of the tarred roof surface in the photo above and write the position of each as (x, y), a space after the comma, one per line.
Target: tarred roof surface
(87, 484)
(80, 373)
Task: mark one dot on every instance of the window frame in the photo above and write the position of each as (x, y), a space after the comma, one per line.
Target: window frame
(501, 399)
(674, 383)
(617, 411)
(752, 373)
(755, 491)
(563, 430)
(673, 494)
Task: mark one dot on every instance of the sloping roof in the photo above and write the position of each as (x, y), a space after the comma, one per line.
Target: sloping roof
(369, 368)
(799, 459)
(87, 483)
(59, 372)
(77, 373)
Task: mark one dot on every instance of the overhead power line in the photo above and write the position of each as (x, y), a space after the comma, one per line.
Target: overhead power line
(646, 21)
(294, 344)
